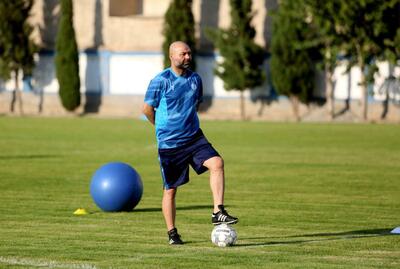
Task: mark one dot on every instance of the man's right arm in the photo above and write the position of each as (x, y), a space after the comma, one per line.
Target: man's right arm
(149, 112)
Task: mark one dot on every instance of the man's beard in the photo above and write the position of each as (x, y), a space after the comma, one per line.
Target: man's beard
(185, 65)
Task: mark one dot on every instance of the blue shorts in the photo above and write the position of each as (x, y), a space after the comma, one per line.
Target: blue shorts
(175, 162)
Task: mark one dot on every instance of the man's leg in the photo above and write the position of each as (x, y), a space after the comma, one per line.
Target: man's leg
(169, 208)
(217, 184)
(169, 212)
(217, 180)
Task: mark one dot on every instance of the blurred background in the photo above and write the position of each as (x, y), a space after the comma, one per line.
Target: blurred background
(120, 46)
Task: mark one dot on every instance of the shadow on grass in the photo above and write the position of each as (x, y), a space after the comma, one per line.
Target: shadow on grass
(27, 157)
(158, 209)
(152, 209)
(311, 238)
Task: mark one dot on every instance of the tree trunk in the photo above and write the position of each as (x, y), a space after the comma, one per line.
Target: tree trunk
(386, 87)
(385, 104)
(16, 95)
(364, 95)
(41, 100)
(330, 100)
(363, 84)
(295, 105)
(242, 106)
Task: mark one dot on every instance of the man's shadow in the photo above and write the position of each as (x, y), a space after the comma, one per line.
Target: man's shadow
(317, 237)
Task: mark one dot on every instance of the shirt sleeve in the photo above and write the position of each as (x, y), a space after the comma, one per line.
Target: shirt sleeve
(153, 93)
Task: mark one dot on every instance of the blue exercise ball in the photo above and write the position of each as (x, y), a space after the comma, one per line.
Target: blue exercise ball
(116, 186)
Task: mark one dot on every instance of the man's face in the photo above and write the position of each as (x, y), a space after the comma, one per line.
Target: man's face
(181, 56)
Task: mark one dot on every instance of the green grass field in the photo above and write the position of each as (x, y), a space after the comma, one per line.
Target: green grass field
(308, 196)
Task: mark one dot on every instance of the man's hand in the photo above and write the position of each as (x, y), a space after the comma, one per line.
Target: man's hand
(149, 112)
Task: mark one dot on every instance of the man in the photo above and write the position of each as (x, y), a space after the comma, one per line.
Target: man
(171, 104)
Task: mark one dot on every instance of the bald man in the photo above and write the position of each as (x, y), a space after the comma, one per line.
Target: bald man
(171, 104)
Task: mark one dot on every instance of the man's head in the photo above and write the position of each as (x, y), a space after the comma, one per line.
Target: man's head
(180, 56)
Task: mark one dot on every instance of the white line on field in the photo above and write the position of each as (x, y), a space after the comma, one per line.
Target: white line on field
(43, 263)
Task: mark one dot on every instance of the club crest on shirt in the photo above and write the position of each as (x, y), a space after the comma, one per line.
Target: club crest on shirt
(193, 85)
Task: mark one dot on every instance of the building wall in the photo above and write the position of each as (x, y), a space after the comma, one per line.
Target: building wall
(120, 52)
(98, 25)
(128, 73)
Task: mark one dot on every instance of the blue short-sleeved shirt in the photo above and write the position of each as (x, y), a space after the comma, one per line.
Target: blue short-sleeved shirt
(175, 99)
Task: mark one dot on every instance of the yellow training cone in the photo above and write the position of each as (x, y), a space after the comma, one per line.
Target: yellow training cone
(80, 211)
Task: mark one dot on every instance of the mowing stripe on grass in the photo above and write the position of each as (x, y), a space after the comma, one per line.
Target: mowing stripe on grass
(43, 263)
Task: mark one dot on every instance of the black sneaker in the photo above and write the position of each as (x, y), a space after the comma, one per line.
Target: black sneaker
(223, 217)
(174, 237)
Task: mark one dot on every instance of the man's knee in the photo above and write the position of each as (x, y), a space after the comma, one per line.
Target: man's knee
(215, 163)
(170, 193)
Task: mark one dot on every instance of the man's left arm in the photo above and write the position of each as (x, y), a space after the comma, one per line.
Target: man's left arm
(149, 112)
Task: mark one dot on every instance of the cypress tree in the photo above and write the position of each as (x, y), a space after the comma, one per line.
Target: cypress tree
(292, 67)
(16, 47)
(241, 68)
(67, 59)
(179, 25)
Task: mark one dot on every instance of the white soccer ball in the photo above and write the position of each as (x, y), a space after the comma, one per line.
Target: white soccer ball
(223, 235)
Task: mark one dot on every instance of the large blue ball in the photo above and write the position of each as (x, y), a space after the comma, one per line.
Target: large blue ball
(116, 186)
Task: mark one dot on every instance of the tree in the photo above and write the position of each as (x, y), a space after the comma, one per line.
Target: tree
(179, 25)
(67, 59)
(292, 66)
(241, 68)
(369, 29)
(323, 16)
(16, 47)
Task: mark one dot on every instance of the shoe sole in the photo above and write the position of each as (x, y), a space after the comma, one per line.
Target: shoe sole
(175, 243)
(226, 222)
(172, 242)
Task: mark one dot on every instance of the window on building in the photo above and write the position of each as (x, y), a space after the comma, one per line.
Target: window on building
(121, 8)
